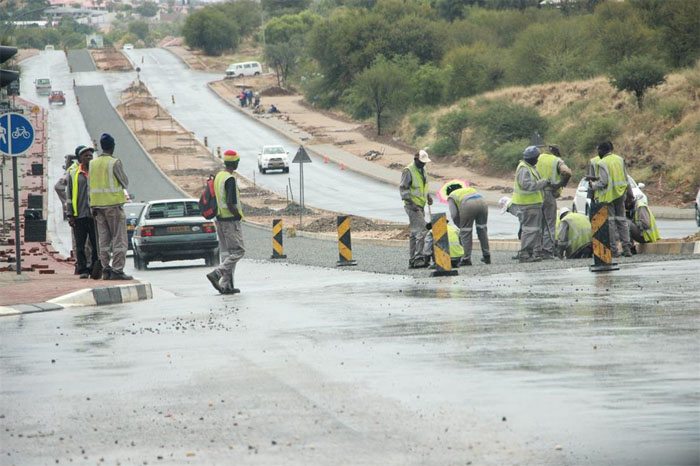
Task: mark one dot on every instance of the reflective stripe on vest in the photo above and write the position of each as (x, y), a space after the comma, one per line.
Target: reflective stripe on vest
(579, 232)
(522, 197)
(456, 249)
(220, 189)
(419, 186)
(74, 187)
(617, 181)
(461, 194)
(105, 189)
(651, 234)
(547, 167)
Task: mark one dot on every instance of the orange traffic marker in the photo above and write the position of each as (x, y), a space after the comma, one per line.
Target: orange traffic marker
(342, 166)
(325, 159)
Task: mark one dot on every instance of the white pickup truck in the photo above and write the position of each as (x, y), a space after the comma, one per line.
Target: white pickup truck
(43, 86)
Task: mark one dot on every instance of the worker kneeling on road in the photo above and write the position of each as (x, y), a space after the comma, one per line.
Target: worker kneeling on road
(414, 193)
(643, 224)
(574, 235)
(527, 199)
(467, 207)
(228, 225)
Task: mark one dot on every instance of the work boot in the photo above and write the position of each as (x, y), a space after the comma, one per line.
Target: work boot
(84, 275)
(486, 259)
(626, 251)
(107, 273)
(214, 277)
(634, 249)
(523, 260)
(230, 291)
(465, 261)
(96, 272)
(119, 275)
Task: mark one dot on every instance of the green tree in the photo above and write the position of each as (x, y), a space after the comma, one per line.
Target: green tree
(284, 7)
(381, 88)
(472, 70)
(139, 29)
(621, 32)
(246, 14)
(637, 75)
(287, 27)
(147, 9)
(282, 57)
(210, 30)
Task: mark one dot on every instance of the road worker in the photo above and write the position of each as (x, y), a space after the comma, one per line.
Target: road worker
(574, 235)
(527, 199)
(642, 225)
(610, 189)
(456, 249)
(467, 207)
(228, 225)
(414, 193)
(551, 167)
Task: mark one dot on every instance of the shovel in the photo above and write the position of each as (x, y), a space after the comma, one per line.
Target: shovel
(429, 223)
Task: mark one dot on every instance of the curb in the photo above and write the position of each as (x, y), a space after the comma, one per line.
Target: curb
(88, 297)
(670, 248)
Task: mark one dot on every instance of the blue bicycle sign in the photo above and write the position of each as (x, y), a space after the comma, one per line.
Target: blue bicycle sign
(16, 134)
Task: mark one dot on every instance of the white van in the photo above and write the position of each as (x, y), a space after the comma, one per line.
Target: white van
(247, 68)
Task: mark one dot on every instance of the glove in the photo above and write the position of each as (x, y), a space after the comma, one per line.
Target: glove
(71, 221)
(430, 199)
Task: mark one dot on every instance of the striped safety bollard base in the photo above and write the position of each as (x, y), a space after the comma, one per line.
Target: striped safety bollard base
(277, 240)
(344, 242)
(441, 247)
(602, 254)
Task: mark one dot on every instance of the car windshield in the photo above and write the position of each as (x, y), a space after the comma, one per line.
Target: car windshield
(43, 81)
(133, 210)
(176, 209)
(273, 150)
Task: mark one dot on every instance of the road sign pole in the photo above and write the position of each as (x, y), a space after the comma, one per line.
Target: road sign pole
(2, 187)
(301, 195)
(18, 260)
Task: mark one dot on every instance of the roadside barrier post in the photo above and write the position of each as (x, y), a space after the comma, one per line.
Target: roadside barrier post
(441, 247)
(277, 240)
(602, 254)
(344, 242)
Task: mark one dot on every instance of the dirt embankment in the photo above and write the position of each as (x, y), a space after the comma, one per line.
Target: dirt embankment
(110, 59)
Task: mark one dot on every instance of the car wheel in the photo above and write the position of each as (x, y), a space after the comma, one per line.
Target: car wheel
(139, 263)
(263, 170)
(285, 170)
(212, 258)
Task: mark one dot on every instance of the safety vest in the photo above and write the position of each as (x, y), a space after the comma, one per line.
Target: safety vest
(651, 234)
(74, 193)
(456, 249)
(617, 181)
(579, 233)
(105, 189)
(522, 197)
(547, 168)
(419, 186)
(463, 193)
(74, 166)
(220, 189)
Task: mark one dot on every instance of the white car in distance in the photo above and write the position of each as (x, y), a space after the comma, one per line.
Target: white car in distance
(273, 158)
(582, 203)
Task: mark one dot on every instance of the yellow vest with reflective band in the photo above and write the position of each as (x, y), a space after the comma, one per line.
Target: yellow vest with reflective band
(419, 186)
(617, 181)
(74, 194)
(105, 189)
(650, 235)
(456, 249)
(580, 232)
(522, 197)
(462, 193)
(547, 168)
(74, 166)
(220, 189)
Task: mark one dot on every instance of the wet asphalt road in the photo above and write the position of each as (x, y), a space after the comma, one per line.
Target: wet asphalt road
(312, 366)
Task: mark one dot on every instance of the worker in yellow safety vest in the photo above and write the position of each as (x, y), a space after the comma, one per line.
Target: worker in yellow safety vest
(456, 249)
(551, 167)
(610, 189)
(108, 183)
(527, 200)
(468, 207)
(642, 225)
(228, 225)
(574, 235)
(414, 193)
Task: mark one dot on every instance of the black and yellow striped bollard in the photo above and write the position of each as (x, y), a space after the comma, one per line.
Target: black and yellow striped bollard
(277, 240)
(344, 243)
(602, 254)
(441, 247)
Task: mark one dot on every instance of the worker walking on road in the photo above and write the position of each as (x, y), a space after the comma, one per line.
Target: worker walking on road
(468, 207)
(575, 236)
(527, 199)
(80, 215)
(610, 189)
(228, 225)
(108, 183)
(414, 193)
(642, 225)
(551, 167)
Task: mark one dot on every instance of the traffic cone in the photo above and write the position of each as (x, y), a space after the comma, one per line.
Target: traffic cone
(342, 166)
(325, 159)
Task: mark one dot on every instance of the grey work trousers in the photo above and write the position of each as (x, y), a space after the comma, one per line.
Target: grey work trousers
(617, 225)
(111, 236)
(531, 225)
(230, 235)
(471, 211)
(416, 223)
(549, 222)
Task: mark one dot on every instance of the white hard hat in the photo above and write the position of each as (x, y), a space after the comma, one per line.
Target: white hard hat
(503, 203)
(423, 156)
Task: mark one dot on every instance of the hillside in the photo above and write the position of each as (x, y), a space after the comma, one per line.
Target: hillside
(659, 142)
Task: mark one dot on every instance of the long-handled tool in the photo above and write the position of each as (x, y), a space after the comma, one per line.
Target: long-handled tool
(429, 223)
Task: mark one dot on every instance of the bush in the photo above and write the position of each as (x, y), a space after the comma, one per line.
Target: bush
(502, 122)
(671, 109)
(451, 125)
(585, 137)
(505, 157)
(421, 126)
(637, 74)
(444, 146)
